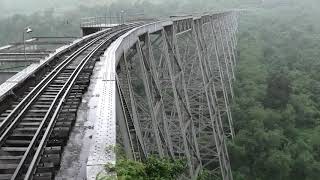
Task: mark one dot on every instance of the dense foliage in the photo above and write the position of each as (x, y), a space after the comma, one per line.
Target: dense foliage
(153, 168)
(276, 109)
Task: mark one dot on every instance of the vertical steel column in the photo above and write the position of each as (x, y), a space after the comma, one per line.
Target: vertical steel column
(136, 122)
(149, 98)
(184, 86)
(232, 38)
(195, 92)
(234, 22)
(212, 105)
(225, 95)
(230, 55)
(155, 77)
(226, 64)
(176, 101)
(224, 103)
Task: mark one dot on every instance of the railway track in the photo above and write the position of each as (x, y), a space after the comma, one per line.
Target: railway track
(36, 126)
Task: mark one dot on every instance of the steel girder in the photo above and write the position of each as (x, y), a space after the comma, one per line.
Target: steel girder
(174, 91)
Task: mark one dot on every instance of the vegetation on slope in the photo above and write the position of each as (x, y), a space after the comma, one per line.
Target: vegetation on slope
(154, 168)
(276, 109)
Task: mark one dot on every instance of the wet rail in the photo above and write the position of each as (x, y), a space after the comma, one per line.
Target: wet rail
(36, 126)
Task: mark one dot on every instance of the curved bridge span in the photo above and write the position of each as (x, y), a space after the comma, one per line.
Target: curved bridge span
(165, 89)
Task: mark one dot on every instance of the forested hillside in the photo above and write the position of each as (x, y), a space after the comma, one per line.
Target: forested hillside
(277, 108)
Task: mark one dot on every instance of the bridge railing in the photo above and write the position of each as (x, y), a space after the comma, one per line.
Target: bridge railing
(101, 21)
(105, 21)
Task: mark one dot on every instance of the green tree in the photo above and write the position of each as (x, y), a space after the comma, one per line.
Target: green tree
(153, 168)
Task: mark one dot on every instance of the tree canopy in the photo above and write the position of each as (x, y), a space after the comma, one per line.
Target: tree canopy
(276, 109)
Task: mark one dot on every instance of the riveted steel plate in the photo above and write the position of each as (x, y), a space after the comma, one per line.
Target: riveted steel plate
(104, 138)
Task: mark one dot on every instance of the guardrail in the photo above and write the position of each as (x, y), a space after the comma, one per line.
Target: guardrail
(105, 21)
(100, 21)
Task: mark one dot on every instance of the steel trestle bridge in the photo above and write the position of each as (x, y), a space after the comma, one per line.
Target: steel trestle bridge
(164, 88)
(172, 81)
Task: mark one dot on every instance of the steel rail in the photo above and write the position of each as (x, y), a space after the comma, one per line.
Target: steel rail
(38, 90)
(9, 125)
(68, 86)
(45, 83)
(40, 136)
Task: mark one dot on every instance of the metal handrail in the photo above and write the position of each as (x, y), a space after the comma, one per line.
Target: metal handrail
(102, 21)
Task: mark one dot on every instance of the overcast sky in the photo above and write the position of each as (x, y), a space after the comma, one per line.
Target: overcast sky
(9, 7)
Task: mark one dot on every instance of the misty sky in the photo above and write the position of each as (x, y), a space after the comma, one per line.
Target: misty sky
(9, 7)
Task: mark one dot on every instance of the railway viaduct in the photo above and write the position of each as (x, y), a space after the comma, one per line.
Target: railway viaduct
(150, 87)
